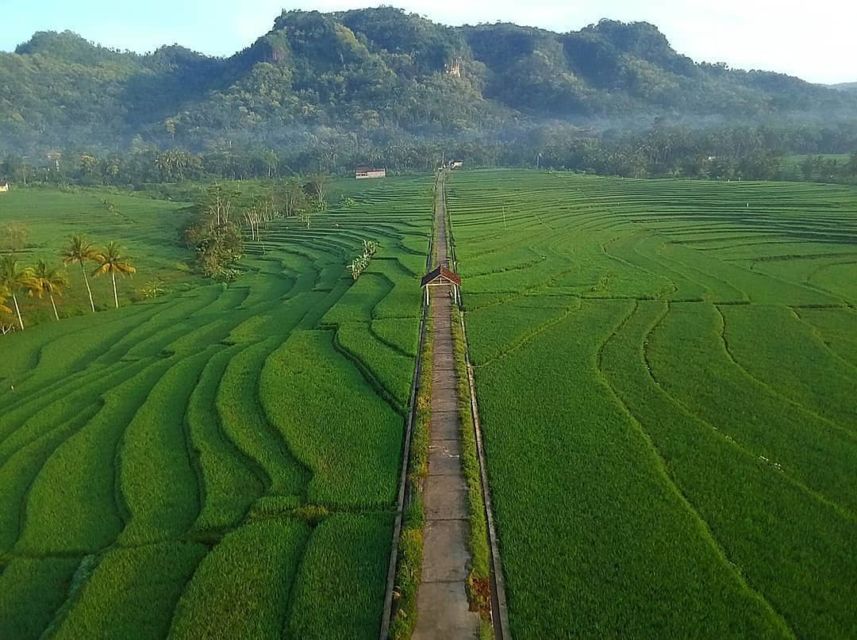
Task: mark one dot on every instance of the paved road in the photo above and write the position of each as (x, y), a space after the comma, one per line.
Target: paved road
(442, 607)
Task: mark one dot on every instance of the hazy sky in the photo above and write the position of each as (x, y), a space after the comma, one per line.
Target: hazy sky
(813, 39)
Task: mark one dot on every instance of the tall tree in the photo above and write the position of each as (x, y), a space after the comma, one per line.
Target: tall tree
(16, 279)
(219, 202)
(112, 261)
(5, 327)
(316, 188)
(81, 251)
(50, 280)
(291, 197)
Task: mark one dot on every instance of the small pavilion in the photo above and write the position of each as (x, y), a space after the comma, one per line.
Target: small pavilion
(442, 276)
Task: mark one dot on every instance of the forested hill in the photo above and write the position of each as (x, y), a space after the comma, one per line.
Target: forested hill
(376, 74)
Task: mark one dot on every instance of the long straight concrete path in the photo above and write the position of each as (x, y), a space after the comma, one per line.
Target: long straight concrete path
(442, 606)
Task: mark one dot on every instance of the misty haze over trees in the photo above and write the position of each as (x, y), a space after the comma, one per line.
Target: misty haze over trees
(326, 92)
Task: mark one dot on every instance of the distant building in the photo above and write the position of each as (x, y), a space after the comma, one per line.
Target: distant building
(4, 186)
(456, 164)
(361, 173)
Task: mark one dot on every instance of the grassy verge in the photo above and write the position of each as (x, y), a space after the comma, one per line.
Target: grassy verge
(479, 577)
(410, 560)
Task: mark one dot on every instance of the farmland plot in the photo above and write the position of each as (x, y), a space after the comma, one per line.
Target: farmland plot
(220, 462)
(666, 376)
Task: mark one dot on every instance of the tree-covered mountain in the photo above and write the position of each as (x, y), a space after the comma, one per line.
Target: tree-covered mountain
(845, 86)
(373, 75)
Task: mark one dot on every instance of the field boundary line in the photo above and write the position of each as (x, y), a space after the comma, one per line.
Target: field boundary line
(368, 375)
(738, 444)
(499, 608)
(673, 485)
(820, 337)
(392, 564)
(529, 337)
(392, 346)
(772, 390)
(499, 605)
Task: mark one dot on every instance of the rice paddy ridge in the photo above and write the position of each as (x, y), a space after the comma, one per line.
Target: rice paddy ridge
(116, 354)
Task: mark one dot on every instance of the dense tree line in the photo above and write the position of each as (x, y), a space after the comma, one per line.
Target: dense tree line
(664, 149)
(223, 219)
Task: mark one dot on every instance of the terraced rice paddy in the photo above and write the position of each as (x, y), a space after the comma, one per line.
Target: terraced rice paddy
(665, 372)
(220, 462)
(666, 375)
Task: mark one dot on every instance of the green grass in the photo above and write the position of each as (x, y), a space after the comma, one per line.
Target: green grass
(246, 425)
(157, 479)
(22, 467)
(347, 435)
(77, 484)
(770, 525)
(230, 481)
(598, 554)
(400, 335)
(242, 588)
(388, 365)
(31, 592)
(664, 371)
(339, 590)
(835, 328)
(409, 562)
(131, 593)
(688, 355)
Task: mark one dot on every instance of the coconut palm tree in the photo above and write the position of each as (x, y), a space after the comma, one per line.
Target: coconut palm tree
(4, 326)
(14, 279)
(49, 280)
(80, 251)
(112, 261)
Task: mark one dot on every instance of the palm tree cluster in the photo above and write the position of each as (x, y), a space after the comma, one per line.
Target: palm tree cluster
(48, 280)
(15, 279)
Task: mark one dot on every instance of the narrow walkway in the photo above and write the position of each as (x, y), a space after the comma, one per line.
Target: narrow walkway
(442, 607)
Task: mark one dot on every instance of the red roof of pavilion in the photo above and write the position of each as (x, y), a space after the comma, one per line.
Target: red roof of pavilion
(439, 275)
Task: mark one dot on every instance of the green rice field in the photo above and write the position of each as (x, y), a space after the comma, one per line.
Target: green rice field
(665, 370)
(221, 461)
(666, 374)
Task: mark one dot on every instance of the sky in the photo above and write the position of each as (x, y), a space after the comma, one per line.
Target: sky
(810, 39)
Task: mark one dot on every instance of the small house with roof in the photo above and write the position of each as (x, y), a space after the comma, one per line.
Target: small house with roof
(362, 173)
(4, 186)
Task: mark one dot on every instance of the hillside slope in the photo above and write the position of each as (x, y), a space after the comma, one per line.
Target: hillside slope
(374, 71)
